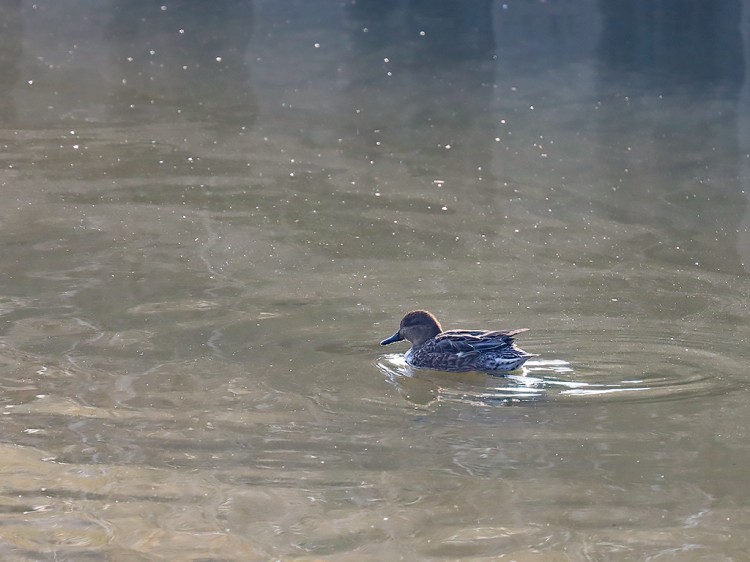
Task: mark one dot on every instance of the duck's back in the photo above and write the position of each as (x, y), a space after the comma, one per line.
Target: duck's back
(480, 340)
(469, 350)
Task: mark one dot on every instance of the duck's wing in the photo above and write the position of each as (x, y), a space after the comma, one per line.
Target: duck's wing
(466, 350)
(466, 341)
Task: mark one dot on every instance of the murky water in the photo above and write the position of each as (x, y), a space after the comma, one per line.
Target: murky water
(212, 214)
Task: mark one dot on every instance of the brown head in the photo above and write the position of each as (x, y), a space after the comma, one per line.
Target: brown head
(417, 326)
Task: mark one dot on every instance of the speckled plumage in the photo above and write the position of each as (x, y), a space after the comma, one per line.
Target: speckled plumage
(457, 350)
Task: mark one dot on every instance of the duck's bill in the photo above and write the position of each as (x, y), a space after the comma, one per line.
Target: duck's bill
(394, 338)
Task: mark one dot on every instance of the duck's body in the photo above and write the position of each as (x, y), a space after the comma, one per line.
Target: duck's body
(457, 350)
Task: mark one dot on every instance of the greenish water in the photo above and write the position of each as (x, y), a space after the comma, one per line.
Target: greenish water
(211, 215)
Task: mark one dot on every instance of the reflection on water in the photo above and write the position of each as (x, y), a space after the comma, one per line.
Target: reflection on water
(211, 212)
(473, 388)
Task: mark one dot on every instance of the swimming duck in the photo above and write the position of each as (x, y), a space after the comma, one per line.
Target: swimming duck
(457, 350)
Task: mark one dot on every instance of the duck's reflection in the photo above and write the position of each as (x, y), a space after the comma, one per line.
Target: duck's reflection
(425, 387)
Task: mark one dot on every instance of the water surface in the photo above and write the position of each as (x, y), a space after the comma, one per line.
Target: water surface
(213, 214)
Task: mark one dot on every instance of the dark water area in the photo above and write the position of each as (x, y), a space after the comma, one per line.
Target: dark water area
(213, 212)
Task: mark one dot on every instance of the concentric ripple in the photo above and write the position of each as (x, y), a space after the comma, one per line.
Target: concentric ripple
(642, 365)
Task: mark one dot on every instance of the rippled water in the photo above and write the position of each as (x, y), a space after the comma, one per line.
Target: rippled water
(213, 214)
(684, 371)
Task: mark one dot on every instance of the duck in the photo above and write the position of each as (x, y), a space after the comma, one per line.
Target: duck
(457, 350)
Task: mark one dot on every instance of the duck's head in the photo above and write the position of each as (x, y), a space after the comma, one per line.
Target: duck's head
(417, 326)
